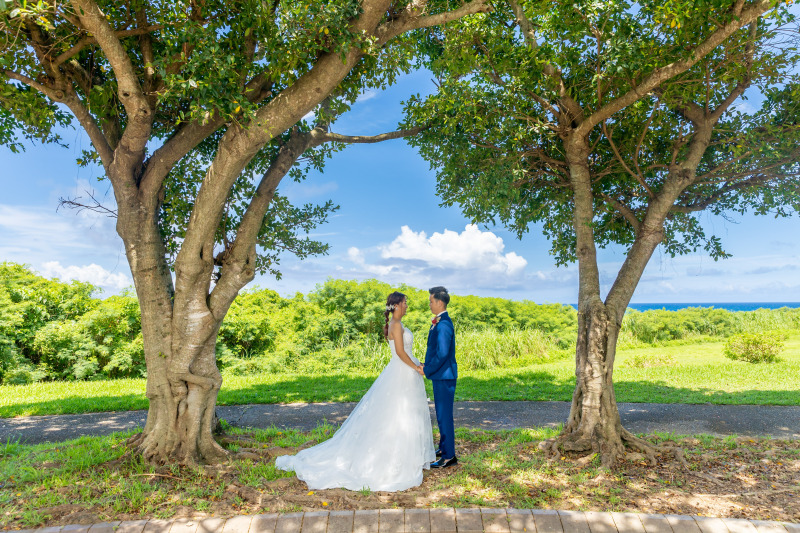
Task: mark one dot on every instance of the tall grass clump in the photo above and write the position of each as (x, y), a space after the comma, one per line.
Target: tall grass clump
(698, 324)
(763, 320)
(659, 325)
(482, 349)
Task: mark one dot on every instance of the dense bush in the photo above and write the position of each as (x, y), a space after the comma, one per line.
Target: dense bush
(105, 342)
(659, 325)
(755, 347)
(54, 330)
(28, 303)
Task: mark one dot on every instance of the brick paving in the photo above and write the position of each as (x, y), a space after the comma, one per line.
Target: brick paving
(437, 521)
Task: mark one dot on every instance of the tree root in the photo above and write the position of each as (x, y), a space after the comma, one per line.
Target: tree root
(550, 447)
(135, 440)
(609, 454)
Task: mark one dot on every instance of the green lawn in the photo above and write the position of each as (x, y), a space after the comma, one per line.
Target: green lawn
(700, 374)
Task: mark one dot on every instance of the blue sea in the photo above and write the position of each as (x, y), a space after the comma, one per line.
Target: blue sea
(730, 306)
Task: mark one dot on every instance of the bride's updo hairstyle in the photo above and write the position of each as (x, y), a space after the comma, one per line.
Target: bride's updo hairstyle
(391, 302)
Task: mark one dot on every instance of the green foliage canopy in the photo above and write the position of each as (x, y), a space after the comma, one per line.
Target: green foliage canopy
(500, 119)
(202, 69)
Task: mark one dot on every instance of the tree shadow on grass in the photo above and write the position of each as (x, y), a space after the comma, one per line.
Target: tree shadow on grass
(75, 404)
(521, 385)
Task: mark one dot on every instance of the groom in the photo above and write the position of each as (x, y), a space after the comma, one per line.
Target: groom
(441, 368)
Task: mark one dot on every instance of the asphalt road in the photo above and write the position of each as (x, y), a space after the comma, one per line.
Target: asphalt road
(682, 419)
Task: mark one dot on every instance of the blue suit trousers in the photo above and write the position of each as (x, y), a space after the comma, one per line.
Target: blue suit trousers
(444, 393)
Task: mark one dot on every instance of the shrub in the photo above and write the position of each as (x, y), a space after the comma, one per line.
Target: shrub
(755, 347)
(104, 342)
(659, 325)
(31, 301)
(247, 330)
(767, 320)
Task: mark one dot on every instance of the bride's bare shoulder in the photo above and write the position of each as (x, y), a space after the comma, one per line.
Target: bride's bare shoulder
(395, 329)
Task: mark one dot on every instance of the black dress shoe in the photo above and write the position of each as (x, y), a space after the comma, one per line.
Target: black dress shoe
(438, 453)
(444, 463)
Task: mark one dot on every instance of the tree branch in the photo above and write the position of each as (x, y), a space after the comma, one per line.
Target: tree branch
(188, 136)
(527, 28)
(239, 258)
(743, 85)
(524, 24)
(96, 206)
(625, 211)
(319, 136)
(635, 175)
(238, 261)
(99, 140)
(722, 191)
(137, 132)
(146, 46)
(50, 92)
(410, 19)
(666, 72)
(689, 110)
(86, 40)
(639, 142)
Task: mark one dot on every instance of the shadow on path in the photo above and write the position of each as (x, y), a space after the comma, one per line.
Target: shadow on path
(682, 419)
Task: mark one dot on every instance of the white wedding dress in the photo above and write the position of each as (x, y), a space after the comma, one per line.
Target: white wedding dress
(383, 445)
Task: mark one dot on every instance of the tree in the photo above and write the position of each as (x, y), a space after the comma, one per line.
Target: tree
(196, 112)
(610, 124)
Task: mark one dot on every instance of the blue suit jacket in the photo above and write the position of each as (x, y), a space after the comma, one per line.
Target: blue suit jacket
(440, 357)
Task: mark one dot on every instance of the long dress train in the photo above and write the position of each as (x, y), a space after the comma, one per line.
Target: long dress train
(384, 444)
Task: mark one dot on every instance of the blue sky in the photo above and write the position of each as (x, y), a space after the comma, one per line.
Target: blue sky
(389, 227)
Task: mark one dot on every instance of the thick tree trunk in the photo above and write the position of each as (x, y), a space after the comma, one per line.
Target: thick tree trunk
(179, 346)
(594, 423)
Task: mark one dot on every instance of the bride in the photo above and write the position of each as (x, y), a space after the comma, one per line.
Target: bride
(387, 440)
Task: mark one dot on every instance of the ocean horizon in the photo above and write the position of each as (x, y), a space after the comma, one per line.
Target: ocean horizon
(728, 306)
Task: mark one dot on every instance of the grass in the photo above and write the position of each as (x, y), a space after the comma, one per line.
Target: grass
(94, 479)
(700, 374)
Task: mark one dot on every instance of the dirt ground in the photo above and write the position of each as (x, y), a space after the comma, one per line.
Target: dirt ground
(741, 478)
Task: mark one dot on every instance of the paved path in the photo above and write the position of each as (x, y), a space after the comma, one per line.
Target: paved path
(440, 521)
(682, 419)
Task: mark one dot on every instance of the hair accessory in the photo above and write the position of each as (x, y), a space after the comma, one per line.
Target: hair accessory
(390, 308)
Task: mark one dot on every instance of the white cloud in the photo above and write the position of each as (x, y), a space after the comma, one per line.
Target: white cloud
(466, 262)
(369, 94)
(94, 274)
(744, 107)
(35, 235)
(38, 236)
(355, 255)
(471, 249)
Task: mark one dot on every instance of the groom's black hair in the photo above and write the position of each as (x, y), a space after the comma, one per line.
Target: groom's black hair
(440, 293)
